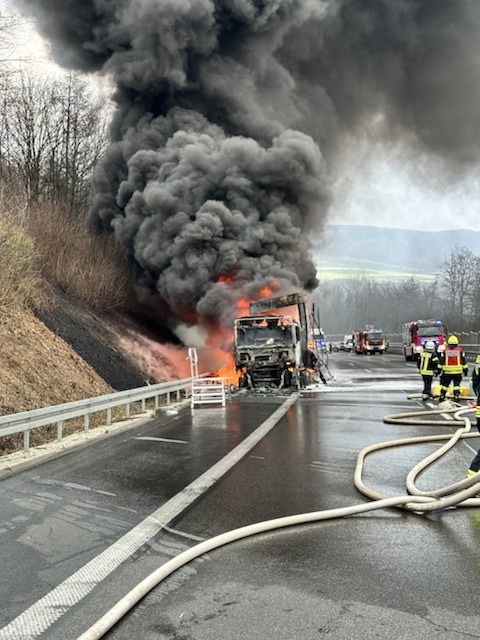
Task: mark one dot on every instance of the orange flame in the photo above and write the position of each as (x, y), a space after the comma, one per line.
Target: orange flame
(243, 304)
(243, 307)
(228, 371)
(217, 355)
(218, 352)
(225, 277)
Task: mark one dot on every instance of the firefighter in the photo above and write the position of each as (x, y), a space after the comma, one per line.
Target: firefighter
(313, 363)
(428, 366)
(453, 365)
(476, 388)
(475, 464)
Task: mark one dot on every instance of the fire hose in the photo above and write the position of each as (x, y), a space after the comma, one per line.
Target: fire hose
(459, 494)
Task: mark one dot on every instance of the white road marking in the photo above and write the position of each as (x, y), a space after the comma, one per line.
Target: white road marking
(30, 624)
(72, 485)
(161, 439)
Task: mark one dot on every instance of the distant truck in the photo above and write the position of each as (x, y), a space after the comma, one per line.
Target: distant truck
(415, 334)
(348, 342)
(369, 340)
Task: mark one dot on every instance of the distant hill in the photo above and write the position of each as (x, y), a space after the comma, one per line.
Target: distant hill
(396, 253)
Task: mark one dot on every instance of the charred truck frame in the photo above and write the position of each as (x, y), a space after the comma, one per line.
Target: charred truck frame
(272, 350)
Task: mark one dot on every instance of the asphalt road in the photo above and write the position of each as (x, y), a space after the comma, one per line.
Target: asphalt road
(79, 532)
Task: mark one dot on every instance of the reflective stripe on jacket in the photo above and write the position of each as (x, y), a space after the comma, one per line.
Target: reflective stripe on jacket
(453, 360)
(428, 363)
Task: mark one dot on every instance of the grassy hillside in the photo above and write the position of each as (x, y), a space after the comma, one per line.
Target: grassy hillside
(342, 268)
(70, 324)
(418, 253)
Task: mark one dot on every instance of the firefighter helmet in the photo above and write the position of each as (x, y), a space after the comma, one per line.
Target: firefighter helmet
(452, 340)
(430, 346)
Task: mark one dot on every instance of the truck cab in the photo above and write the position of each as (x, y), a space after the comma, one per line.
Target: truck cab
(267, 351)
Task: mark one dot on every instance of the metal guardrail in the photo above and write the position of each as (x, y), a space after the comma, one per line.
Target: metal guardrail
(471, 350)
(58, 414)
(25, 421)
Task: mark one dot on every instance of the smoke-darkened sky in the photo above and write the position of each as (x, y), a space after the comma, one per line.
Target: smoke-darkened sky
(236, 119)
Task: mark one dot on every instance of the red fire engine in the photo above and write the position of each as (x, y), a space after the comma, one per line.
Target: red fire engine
(369, 340)
(416, 334)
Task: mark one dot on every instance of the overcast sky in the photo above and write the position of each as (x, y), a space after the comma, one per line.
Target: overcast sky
(387, 186)
(380, 185)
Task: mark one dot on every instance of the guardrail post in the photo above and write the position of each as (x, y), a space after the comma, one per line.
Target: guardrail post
(127, 410)
(143, 405)
(109, 416)
(168, 397)
(26, 440)
(86, 422)
(156, 402)
(60, 430)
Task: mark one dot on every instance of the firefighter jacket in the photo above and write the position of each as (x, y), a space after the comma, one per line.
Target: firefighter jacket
(428, 363)
(476, 377)
(453, 361)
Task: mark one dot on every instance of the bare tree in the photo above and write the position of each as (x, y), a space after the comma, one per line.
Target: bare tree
(52, 135)
(458, 272)
(80, 141)
(29, 131)
(352, 303)
(8, 24)
(475, 297)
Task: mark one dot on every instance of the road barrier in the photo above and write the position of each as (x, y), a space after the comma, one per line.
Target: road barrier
(471, 350)
(25, 421)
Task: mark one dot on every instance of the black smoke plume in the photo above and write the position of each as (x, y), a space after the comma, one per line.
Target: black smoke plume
(229, 114)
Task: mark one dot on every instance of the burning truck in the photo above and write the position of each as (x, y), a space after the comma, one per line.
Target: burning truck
(272, 350)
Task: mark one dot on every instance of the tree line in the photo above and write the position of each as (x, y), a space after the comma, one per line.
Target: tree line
(453, 296)
(52, 133)
(52, 129)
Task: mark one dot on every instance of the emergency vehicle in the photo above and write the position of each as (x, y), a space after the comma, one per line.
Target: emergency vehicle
(369, 340)
(348, 342)
(415, 334)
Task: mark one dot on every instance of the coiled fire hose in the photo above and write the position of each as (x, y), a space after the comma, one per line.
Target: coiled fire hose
(459, 494)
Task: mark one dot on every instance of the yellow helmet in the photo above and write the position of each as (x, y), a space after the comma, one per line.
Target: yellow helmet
(452, 340)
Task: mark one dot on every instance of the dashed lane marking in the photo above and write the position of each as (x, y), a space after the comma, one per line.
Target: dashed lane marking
(153, 439)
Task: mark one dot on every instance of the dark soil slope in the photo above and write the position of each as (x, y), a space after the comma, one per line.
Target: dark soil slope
(94, 338)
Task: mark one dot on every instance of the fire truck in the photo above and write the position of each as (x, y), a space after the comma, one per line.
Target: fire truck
(369, 340)
(274, 350)
(415, 334)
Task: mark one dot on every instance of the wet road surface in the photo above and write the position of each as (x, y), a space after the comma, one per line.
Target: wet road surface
(384, 573)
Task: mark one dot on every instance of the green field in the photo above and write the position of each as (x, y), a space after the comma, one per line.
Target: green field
(344, 269)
